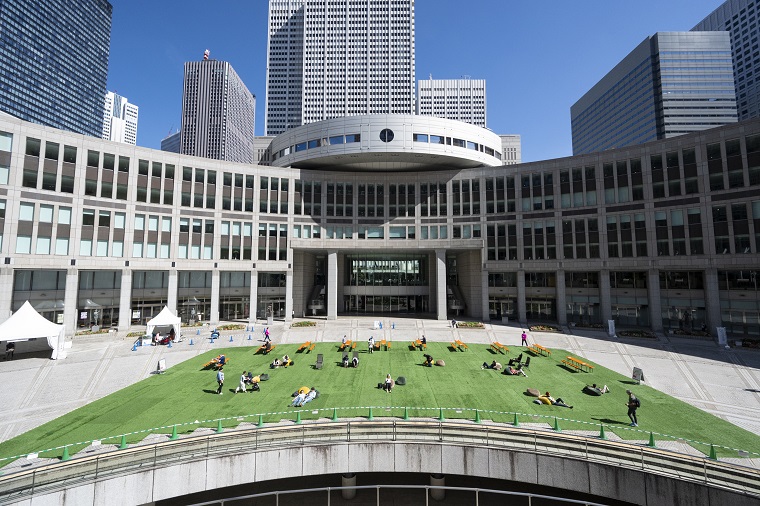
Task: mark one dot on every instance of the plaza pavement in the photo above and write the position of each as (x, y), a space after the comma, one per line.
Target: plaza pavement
(724, 382)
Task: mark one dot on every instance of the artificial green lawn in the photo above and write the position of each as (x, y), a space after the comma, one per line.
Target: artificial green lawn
(186, 392)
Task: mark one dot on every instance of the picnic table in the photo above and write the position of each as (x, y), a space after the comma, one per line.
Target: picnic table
(345, 345)
(537, 349)
(215, 363)
(459, 345)
(382, 344)
(418, 345)
(577, 364)
(499, 348)
(304, 346)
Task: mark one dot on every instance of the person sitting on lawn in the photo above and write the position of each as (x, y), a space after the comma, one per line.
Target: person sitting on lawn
(511, 371)
(355, 361)
(595, 390)
(423, 340)
(556, 402)
(299, 399)
(310, 396)
(494, 365)
(221, 360)
(275, 363)
(345, 360)
(428, 360)
(388, 383)
(286, 361)
(253, 381)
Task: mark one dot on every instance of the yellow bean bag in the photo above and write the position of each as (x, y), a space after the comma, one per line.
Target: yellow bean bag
(303, 390)
(545, 400)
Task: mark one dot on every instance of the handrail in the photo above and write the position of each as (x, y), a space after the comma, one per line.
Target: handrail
(57, 476)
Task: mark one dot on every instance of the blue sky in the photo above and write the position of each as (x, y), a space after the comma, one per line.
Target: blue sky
(537, 58)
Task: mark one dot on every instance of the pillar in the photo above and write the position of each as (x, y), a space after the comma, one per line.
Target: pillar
(6, 293)
(348, 480)
(125, 300)
(254, 303)
(332, 285)
(486, 316)
(605, 296)
(215, 279)
(171, 296)
(70, 301)
(437, 480)
(521, 308)
(289, 296)
(561, 298)
(712, 300)
(440, 284)
(655, 303)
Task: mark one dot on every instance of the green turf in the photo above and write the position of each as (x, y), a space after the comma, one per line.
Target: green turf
(186, 393)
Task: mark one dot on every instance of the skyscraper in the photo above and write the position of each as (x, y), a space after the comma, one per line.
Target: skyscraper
(333, 58)
(740, 18)
(672, 83)
(119, 119)
(54, 62)
(457, 99)
(218, 113)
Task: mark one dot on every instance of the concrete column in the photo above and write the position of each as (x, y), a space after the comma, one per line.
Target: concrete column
(486, 316)
(605, 303)
(6, 293)
(171, 296)
(289, 296)
(213, 318)
(712, 300)
(561, 298)
(437, 480)
(348, 480)
(521, 309)
(440, 284)
(70, 301)
(332, 285)
(655, 304)
(254, 296)
(125, 300)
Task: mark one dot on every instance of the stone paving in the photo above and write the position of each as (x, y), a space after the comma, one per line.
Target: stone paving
(724, 382)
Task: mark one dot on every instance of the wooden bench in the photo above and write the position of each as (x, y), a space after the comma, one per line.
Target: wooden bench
(263, 349)
(214, 363)
(578, 365)
(353, 345)
(345, 345)
(383, 343)
(499, 348)
(418, 345)
(388, 346)
(311, 348)
(303, 347)
(537, 349)
(459, 345)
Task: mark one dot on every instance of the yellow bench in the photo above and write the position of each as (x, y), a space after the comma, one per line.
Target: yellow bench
(311, 348)
(304, 346)
(263, 349)
(578, 365)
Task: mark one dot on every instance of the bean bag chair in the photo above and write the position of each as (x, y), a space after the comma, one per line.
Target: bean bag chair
(401, 380)
(440, 363)
(533, 392)
(303, 390)
(264, 377)
(543, 400)
(589, 390)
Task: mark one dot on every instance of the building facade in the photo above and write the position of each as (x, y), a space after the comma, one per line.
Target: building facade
(332, 58)
(511, 149)
(672, 83)
(458, 99)
(171, 142)
(740, 19)
(48, 75)
(119, 119)
(218, 113)
(662, 236)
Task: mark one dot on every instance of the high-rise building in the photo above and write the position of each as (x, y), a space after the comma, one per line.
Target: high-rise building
(672, 83)
(54, 62)
(334, 58)
(171, 142)
(119, 119)
(740, 19)
(511, 149)
(218, 113)
(458, 99)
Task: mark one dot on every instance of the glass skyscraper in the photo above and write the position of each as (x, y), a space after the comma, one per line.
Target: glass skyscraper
(672, 83)
(54, 62)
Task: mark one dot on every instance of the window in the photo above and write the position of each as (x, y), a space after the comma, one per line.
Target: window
(64, 216)
(26, 212)
(62, 246)
(46, 213)
(23, 244)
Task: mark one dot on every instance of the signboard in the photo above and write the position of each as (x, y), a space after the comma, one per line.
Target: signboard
(638, 374)
(611, 328)
(161, 366)
(135, 314)
(83, 315)
(722, 336)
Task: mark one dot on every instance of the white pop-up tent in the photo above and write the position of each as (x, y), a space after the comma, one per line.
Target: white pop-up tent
(163, 320)
(37, 332)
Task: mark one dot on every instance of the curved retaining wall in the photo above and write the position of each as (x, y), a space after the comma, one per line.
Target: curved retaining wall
(614, 470)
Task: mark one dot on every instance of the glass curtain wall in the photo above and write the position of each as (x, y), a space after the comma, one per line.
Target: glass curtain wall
(396, 284)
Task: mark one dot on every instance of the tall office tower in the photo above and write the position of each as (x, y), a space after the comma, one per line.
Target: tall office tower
(54, 62)
(218, 113)
(511, 149)
(119, 119)
(740, 19)
(457, 99)
(171, 142)
(672, 83)
(333, 58)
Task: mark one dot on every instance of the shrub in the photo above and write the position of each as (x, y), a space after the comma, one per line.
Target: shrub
(470, 325)
(544, 328)
(231, 326)
(636, 333)
(304, 324)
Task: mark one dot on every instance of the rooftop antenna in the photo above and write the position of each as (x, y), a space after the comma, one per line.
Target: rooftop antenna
(206, 54)
(466, 77)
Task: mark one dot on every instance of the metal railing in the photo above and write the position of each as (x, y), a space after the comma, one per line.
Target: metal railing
(57, 476)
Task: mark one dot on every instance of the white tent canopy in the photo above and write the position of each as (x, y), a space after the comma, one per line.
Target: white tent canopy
(165, 319)
(27, 324)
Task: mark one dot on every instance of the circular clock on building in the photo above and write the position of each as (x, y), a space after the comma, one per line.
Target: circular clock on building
(386, 135)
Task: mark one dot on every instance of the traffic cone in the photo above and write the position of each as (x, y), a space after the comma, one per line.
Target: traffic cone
(602, 435)
(651, 443)
(556, 425)
(261, 421)
(134, 347)
(477, 416)
(123, 442)
(713, 455)
(249, 337)
(191, 341)
(516, 423)
(65, 455)
(440, 415)
(198, 333)
(219, 428)
(370, 417)
(335, 415)
(406, 413)
(298, 417)
(230, 337)
(174, 435)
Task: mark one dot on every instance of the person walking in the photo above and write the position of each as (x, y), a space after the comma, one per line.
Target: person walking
(524, 339)
(633, 404)
(220, 380)
(241, 386)
(9, 349)
(266, 335)
(371, 344)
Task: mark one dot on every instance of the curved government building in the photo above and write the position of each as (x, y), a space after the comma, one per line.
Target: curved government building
(389, 215)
